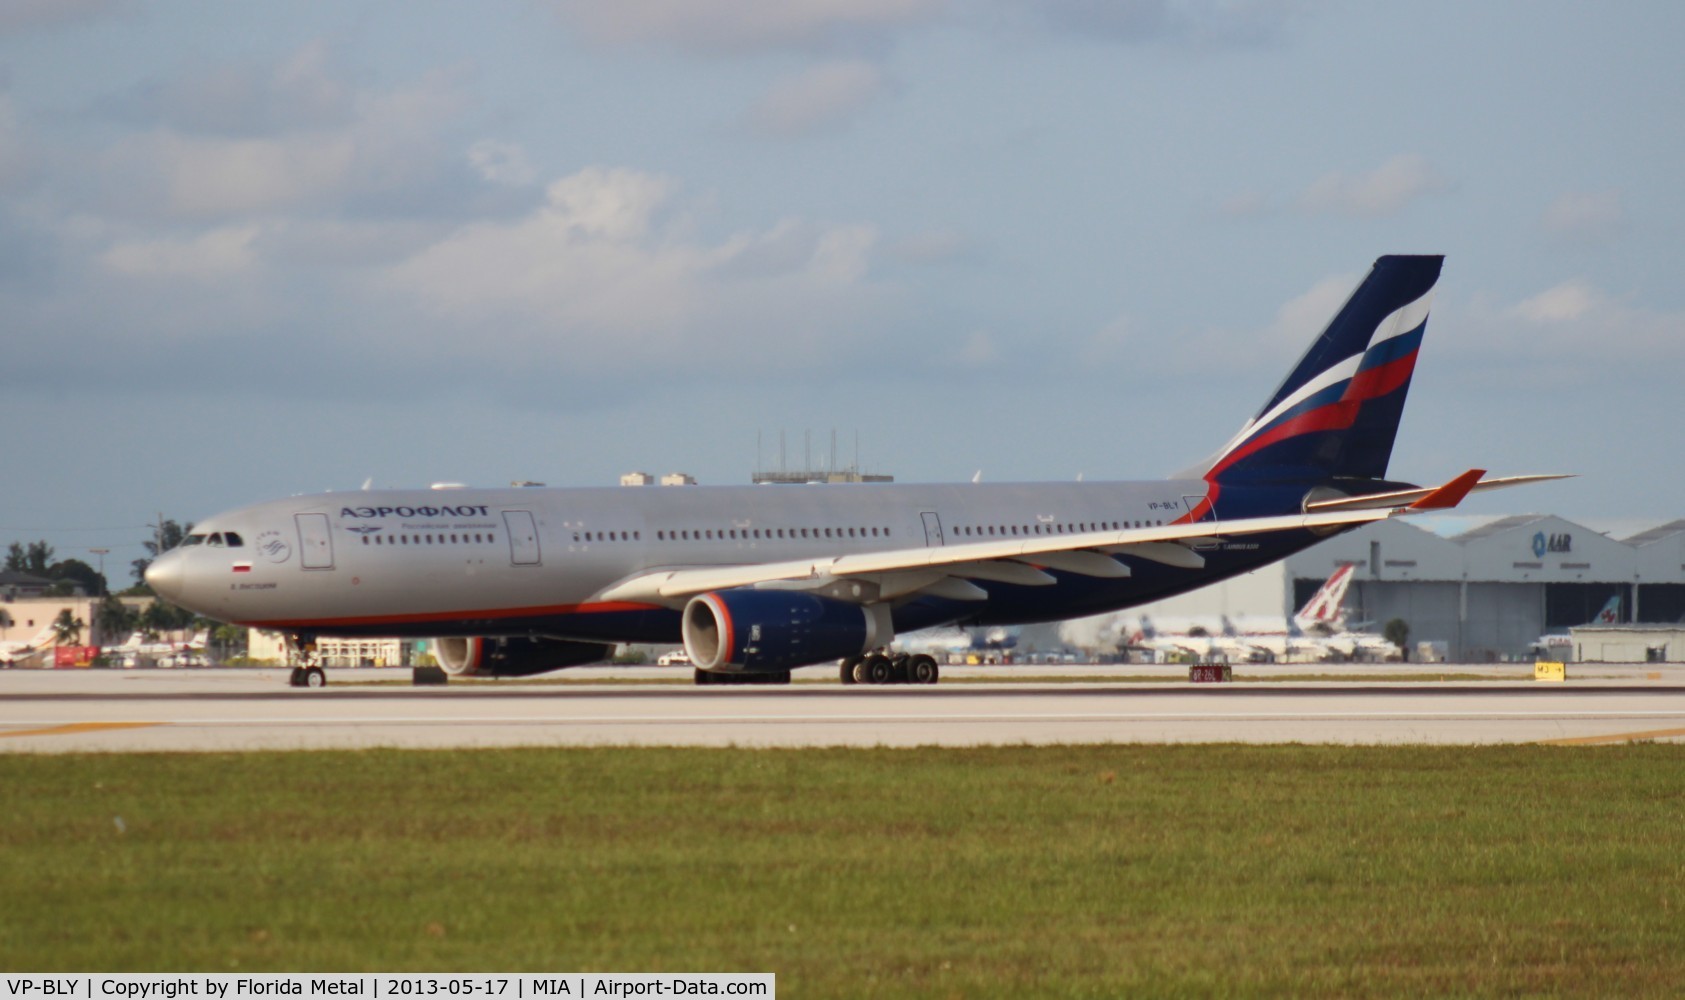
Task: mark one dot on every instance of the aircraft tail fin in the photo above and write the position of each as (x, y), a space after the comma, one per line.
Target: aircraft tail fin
(1336, 414)
(1611, 613)
(1327, 605)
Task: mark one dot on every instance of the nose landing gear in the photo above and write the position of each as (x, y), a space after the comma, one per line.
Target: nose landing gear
(306, 673)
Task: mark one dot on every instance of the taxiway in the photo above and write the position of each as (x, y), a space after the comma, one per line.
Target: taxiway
(223, 710)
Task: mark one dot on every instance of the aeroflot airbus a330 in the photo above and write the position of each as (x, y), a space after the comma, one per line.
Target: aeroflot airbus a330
(756, 580)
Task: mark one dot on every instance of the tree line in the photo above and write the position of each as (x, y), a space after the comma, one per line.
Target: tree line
(111, 617)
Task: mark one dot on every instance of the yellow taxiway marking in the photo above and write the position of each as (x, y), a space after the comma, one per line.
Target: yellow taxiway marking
(78, 727)
(1654, 734)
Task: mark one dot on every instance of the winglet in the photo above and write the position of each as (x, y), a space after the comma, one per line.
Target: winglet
(1451, 494)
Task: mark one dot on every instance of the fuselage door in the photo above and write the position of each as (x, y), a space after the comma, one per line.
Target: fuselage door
(523, 537)
(315, 541)
(932, 528)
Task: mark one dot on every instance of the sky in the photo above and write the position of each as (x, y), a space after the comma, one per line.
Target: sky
(249, 250)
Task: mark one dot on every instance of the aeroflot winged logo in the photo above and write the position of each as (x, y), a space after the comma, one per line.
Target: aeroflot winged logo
(466, 510)
(274, 547)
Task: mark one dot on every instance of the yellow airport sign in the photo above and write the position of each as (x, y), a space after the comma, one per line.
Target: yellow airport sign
(1549, 670)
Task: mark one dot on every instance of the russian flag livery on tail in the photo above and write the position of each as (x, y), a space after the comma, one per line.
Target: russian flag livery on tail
(755, 581)
(1337, 413)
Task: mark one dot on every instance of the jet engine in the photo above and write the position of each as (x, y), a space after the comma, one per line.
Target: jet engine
(473, 656)
(763, 631)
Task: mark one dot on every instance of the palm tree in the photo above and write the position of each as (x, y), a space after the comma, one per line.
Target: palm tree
(67, 628)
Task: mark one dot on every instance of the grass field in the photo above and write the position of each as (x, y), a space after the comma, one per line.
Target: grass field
(1092, 871)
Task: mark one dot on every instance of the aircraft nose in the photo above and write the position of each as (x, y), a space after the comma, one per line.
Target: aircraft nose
(166, 576)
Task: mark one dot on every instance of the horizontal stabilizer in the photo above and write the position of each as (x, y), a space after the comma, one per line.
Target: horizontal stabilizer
(1406, 498)
(1410, 498)
(1451, 494)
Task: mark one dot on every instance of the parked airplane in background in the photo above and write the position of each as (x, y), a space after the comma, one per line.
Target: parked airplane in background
(13, 651)
(755, 581)
(1313, 632)
(1559, 646)
(136, 650)
(952, 640)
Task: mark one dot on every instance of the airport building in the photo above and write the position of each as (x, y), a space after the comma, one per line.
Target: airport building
(1477, 592)
(271, 647)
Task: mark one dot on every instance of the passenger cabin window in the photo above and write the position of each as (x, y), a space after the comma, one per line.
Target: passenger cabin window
(193, 540)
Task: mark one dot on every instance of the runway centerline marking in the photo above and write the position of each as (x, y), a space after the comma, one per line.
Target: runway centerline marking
(70, 728)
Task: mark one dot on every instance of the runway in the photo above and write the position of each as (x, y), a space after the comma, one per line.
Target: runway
(234, 710)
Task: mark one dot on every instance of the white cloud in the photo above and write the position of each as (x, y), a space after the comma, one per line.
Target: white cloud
(387, 144)
(1223, 22)
(979, 350)
(200, 177)
(823, 95)
(741, 24)
(216, 254)
(1245, 205)
(1370, 194)
(502, 162)
(1109, 345)
(1573, 331)
(302, 90)
(608, 272)
(1304, 316)
(23, 15)
(1565, 303)
(935, 246)
(1586, 216)
(1270, 347)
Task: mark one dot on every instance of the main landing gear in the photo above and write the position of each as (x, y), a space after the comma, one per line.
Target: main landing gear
(890, 668)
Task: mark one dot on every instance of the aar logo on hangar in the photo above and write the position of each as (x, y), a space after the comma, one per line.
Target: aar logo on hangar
(1557, 542)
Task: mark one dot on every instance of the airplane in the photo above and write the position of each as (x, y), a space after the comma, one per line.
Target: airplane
(948, 641)
(1189, 641)
(1253, 638)
(1321, 628)
(12, 651)
(1557, 646)
(756, 581)
(136, 650)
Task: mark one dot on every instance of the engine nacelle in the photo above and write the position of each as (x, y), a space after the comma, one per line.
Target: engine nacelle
(755, 631)
(473, 656)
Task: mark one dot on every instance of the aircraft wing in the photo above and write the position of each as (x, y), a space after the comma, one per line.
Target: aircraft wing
(954, 571)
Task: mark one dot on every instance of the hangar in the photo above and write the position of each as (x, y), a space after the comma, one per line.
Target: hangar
(1487, 591)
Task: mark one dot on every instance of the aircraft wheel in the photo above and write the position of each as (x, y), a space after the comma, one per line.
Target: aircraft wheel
(296, 678)
(899, 666)
(847, 669)
(922, 669)
(314, 677)
(859, 671)
(879, 670)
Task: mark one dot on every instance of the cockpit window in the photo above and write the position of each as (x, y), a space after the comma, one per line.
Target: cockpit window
(198, 539)
(233, 539)
(215, 541)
